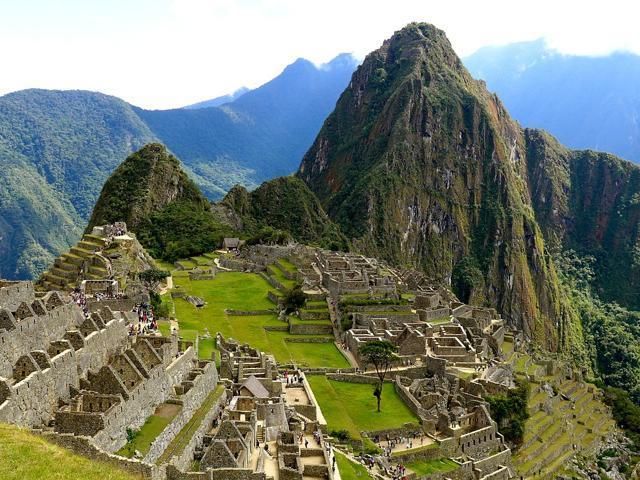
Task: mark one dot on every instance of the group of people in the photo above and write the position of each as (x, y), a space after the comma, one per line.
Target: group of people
(397, 472)
(147, 322)
(79, 298)
(292, 378)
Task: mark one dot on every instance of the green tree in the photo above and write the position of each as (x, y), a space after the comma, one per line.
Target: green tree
(294, 299)
(381, 354)
(152, 277)
(510, 411)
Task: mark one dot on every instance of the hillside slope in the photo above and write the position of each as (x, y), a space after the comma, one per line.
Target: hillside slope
(285, 204)
(421, 165)
(27, 456)
(165, 209)
(56, 150)
(589, 202)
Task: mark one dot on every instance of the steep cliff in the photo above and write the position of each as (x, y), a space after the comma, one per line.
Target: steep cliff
(421, 165)
(589, 202)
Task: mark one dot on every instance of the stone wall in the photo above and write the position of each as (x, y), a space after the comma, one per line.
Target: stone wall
(115, 304)
(314, 315)
(432, 314)
(33, 401)
(143, 400)
(409, 399)
(191, 402)
(310, 329)
(494, 462)
(185, 458)
(36, 333)
(13, 294)
(479, 442)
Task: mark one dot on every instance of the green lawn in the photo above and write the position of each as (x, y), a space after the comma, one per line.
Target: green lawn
(25, 456)
(153, 427)
(427, 467)
(206, 346)
(187, 264)
(276, 273)
(352, 406)
(287, 265)
(244, 291)
(350, 470)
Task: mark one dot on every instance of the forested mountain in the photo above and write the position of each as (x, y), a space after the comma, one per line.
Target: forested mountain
(421, 165)
(262, 134)
(587, 102)
(58, 147)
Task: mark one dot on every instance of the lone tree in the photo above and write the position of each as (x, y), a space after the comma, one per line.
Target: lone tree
(381, 354)
(152, 277)
(294, 299)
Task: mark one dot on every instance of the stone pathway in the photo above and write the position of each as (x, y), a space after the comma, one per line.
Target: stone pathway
(216, 261)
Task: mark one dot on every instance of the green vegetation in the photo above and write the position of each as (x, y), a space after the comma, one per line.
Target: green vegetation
(180, 230)
(294, 299)
(285, 204)
(142, 439)
(47, 193)
(625, 412)
(350, 470)
(182, 439)
(26, 456)
(352, 407)
(611, 331)
(380, 354)
(510, 411)
(427, 467)
(155, 197)
(244, 291)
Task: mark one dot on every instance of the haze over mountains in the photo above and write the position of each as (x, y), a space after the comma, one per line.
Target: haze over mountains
(587, 102)
(58, 147)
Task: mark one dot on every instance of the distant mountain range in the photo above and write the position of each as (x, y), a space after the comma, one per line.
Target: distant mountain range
(58, 147)
(216, 102)
(587, 102)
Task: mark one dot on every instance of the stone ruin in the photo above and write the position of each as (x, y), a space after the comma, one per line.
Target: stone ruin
(83, 380)
(262, 428)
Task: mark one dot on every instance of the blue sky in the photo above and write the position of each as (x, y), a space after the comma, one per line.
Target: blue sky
(169, 53)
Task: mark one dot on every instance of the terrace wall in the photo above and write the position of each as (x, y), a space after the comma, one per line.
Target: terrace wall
(191, 402)
(142, 401)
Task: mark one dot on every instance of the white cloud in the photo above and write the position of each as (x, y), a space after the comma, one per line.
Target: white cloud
(168, 53)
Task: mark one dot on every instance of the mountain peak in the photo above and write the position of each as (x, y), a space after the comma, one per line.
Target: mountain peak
(147, 181)
(411, 164)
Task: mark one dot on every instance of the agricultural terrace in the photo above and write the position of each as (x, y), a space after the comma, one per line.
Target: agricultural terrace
(245, 292)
